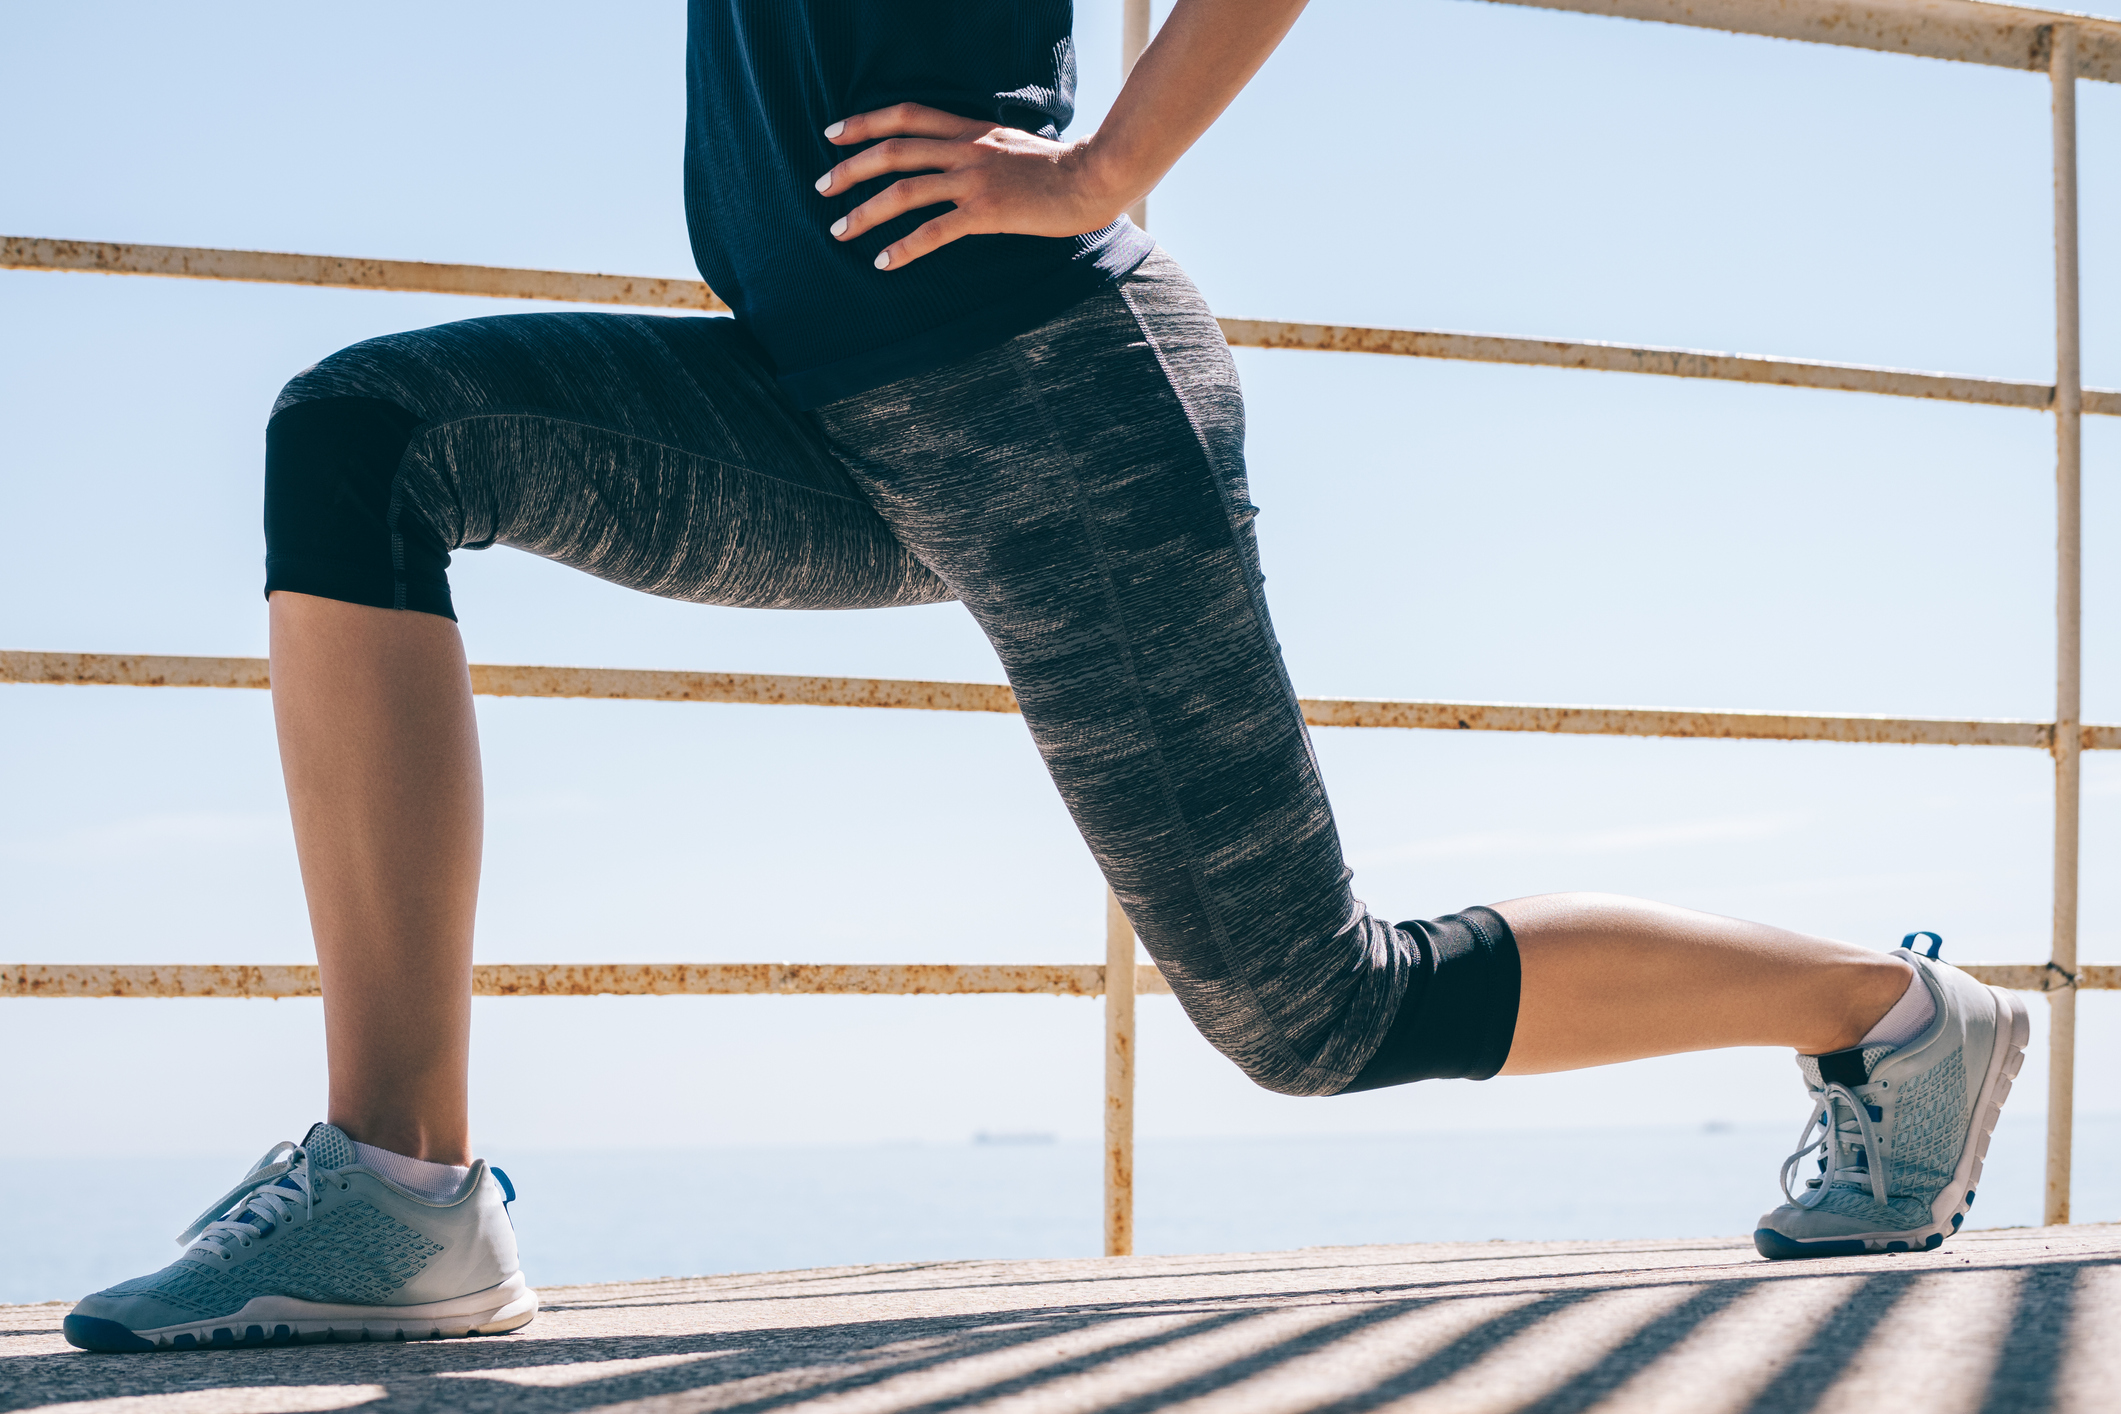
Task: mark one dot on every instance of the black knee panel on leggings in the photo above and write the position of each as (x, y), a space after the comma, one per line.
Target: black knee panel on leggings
(1459, 1015)
(333, 524)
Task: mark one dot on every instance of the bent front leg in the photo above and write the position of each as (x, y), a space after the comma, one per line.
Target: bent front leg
(651, 452)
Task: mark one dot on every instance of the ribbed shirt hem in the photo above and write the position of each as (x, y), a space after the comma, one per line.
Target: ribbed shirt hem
(972, 333)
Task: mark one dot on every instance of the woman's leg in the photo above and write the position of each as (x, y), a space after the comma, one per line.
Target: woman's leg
(651, 452)
(1611, 979)
(381, 755)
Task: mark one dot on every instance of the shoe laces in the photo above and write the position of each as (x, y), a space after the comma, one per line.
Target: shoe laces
(269, 1194)
(1841, 1131)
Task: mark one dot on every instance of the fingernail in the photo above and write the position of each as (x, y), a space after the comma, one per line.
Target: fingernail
(839, 227)
(836, 129)
(824, 183)
(883, 260)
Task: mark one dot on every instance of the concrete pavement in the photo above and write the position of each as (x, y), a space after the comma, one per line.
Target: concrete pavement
(2007, 1320)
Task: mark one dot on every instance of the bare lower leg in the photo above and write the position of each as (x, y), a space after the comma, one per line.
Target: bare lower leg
(1609, 979)
(380, 750)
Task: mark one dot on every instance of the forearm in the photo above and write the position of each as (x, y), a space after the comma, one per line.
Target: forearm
(1205, 53)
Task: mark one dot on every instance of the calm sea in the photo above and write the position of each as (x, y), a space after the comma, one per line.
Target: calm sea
(71, 1226)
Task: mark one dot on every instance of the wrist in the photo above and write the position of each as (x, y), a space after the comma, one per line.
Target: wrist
(1106, 181)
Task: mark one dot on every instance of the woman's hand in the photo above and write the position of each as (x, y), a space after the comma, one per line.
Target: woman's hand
(1004, 179)
(999, 179)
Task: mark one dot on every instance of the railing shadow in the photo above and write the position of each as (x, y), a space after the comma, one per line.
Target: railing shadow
(2033, 1349)
(958, 1361)
(1641, 1350)
(1832, 1346)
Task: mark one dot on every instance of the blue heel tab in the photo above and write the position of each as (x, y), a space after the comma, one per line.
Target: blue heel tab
(507, 1188)
(1936, 943)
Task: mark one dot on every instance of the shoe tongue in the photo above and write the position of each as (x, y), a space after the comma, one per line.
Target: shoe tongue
(1850, 1067)
(328, 1146)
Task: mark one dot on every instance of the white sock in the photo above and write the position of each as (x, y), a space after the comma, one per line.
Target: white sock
(1909, 1018)
(421, 1176)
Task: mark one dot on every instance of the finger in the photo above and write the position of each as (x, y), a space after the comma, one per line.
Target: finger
(906, 194)
(899, 154)
(926, 238)
(901, 120)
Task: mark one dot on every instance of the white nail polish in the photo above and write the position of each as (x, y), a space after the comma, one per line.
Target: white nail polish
(836, 129)
(883, 260)
(839, 227)
(824, 183)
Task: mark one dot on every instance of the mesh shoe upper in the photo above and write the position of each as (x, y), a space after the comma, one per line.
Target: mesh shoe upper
(354, 1255)
(313, 1224)
(1922, 1126)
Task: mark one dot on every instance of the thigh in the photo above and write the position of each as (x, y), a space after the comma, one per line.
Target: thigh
(654, 452)
(1082, 491)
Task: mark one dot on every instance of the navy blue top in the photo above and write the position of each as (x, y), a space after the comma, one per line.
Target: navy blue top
(764, 78)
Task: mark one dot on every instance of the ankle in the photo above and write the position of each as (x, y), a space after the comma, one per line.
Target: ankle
(406, 1135)
(1858, 994)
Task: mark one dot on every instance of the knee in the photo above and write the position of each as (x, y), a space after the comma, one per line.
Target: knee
(332, 527)
(385, 368)
(1275, 1061)
(337, 430)
(1449, 1013)
(322, 452)
(1288, 1081)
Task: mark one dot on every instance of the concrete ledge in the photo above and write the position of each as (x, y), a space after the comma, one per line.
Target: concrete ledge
(2011, 1319)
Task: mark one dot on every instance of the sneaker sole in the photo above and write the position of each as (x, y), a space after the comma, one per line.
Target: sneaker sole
(2014, 1028)
(285, 1320)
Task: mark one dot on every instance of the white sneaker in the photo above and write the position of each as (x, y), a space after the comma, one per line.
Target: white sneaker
(314, 1245)
(1901, 1131)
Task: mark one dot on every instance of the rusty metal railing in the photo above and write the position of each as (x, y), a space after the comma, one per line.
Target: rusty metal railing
(295, 981)
(2064, 46)
(783, 690)
(292, 981)
(640, 291)
(1967, 31)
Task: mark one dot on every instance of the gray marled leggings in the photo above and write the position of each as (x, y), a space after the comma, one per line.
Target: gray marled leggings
(1080, 488)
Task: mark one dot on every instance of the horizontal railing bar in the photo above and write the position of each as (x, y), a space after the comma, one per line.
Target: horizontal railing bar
(2004, 36)
(271, 267)
(1671, 722)
(721, 979)
(2044, 977)
(772, 689)
(591, 979)
(185, 262)
(1660, 362)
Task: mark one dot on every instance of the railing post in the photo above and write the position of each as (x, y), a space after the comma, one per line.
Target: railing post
(2069, 650)
(1133, 39)
(1119, 933)
(1119, 1080)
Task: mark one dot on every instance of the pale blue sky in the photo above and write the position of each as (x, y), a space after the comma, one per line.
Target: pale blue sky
(1430, 530)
